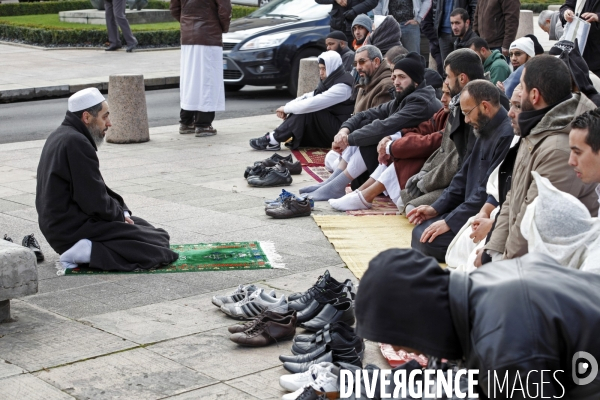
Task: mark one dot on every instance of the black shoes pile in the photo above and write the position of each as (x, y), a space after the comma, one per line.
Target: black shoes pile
(273, 171)
(31, 243)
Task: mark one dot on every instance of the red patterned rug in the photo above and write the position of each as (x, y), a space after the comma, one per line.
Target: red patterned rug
(397, 358)
(313, 162)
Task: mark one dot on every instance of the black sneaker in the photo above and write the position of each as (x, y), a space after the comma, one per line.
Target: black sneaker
(30, 242)
(256, 170)
(264, 143)
(7, 238)
(276, 176)
(274, 159)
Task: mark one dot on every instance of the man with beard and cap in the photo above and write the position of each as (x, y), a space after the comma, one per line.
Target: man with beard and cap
(362, 26)
(82, 219)
(548, 107)
(337, 41)
(358, 137)
(438, 223)
(523, 322)
(313, 118)
(521, 51)
(461, 28)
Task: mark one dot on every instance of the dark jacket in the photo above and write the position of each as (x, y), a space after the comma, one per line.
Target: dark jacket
(370, 126)
(203, 22)
(386, 36)
(347, 59)
(460, 44)
(497, 21)
(341, 22)
(468, 5)
(467, 192)
(524, 315)
(592, 47)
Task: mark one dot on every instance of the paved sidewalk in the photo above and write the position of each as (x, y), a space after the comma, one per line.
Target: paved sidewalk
(157, 336)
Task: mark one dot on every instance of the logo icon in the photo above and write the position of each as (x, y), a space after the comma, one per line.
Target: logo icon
(584, 367)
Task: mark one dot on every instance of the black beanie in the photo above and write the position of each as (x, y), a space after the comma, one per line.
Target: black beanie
(537, 47)
(403, 300)
(339, 35)
(412, 66)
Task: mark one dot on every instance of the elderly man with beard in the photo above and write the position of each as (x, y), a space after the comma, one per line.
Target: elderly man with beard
(358, 137)
(337, 41)
(82, 219)
(548, 108)
(374, 85)
(438, 223)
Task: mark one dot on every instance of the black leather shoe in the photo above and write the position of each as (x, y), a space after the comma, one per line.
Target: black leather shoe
(130, 49)
(323, 282)
(113, 48)
(337, 337)
(341, 311)
(350, 357)
(325, 294)
(311, 337)
(276, 176)
(274, 159)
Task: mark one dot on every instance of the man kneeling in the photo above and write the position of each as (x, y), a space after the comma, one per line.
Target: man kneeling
(82, 219)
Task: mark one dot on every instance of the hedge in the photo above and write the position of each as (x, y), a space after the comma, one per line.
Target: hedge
(536, 7)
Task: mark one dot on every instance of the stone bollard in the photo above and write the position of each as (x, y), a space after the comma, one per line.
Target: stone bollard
(127, 106)
(308, 75)
(18, 275)
(525, 23)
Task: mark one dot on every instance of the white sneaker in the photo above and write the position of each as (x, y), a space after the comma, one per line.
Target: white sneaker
(238, 294)
(255, 304)
(293, 382)
(325, 383)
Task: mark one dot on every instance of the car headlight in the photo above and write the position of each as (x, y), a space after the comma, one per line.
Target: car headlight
(263, 42)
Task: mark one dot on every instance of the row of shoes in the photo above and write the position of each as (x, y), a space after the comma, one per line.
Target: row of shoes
(288, 205)
(31, 243)
(273, 171)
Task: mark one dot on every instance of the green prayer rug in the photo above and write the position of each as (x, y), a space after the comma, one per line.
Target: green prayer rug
(208, 257)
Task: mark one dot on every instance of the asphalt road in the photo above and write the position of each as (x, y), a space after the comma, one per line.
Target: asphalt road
(35, 120)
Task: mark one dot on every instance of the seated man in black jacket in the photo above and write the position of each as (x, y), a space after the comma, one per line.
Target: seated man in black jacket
(415, 102)
(441, 221)
(523, 323)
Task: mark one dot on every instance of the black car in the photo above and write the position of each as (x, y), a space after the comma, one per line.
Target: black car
(265, 48)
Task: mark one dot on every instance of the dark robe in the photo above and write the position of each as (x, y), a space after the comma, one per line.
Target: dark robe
(74, 203)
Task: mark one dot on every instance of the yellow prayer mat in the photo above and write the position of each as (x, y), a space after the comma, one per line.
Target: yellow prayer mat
(359, 239)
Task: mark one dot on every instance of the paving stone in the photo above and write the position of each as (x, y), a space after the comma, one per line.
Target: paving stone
(158, 322)
(264, 384)
(6, 205)
(27, 199)
(31, 388)
(213, 354)
(219, 391)
(8, 369)
(138, 373)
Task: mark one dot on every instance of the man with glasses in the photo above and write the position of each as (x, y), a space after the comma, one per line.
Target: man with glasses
(438, 224)
(374, 85)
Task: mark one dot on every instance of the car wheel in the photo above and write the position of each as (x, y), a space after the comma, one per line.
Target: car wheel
(233, 88)
(293, 83)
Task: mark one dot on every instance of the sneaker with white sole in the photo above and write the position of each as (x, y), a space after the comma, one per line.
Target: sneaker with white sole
(238, 294)
(293, 382)
(255, 304)
(326, 383)
(264, 143)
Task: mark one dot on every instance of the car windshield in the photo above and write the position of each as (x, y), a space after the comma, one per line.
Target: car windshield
(295, 9)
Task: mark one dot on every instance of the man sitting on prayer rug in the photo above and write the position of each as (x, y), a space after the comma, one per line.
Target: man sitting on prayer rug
(82, 219)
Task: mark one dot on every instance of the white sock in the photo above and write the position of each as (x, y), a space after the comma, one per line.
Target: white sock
(350, 202)
(80, 253)
(272, 139)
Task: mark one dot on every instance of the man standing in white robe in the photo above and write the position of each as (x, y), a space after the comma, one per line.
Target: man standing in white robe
(202, 91)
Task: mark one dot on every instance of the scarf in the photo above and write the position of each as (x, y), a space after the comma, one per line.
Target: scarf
(326, 84)
(529, 119)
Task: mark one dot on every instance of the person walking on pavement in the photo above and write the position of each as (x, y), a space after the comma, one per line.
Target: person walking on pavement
(202, 92)
(115, 15)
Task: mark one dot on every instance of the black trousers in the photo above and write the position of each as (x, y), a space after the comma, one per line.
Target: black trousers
(438, 247)
(316, 129)
(200, 119)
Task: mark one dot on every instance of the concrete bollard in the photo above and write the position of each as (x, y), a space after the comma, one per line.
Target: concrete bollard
(18, 275)
(308, 75)
(128, 112)
(525, 23)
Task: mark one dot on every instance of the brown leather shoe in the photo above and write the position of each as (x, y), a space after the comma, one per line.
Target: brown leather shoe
(266, 333)
(290, 208)
(264, 316)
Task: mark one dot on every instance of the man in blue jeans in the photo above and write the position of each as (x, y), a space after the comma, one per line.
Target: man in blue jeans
(409, 14)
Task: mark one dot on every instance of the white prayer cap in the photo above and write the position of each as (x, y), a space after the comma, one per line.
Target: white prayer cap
(525, 44)
(85, 99)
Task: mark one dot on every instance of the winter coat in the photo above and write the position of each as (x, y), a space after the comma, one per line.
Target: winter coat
(497, 67)
(203, 22)
(592, 47)
(544, 150)
(338, 21)
(461, 43)
(377, 92)
(420, 8)
(347, 59)
(416, 145)
(497, 21)
(468, 5)
(386, 36)
(370, 126)
(467, 192)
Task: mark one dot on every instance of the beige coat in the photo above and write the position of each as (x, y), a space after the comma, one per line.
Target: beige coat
(545, 150)
(377, 91)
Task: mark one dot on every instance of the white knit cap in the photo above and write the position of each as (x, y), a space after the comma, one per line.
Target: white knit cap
(525, 44)
(85, 99)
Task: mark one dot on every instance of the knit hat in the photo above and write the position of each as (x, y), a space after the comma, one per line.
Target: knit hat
(84, 99)
(363, 20)
(525, 44)
(404, 300)
(537, 47)
(412, 66)
(339, 35)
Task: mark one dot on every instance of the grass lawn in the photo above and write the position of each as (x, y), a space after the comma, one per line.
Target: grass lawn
(52, 21)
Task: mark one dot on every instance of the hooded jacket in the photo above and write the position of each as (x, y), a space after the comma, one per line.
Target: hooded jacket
(370, 126)
(377, 92)
(386, 36)
(497, 67)
(545, 149)
(497, 21)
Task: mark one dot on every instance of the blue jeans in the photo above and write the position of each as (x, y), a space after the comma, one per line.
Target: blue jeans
(411, 37)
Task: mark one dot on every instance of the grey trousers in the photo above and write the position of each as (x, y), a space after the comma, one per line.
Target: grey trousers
(115, 15)
(446, 41)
